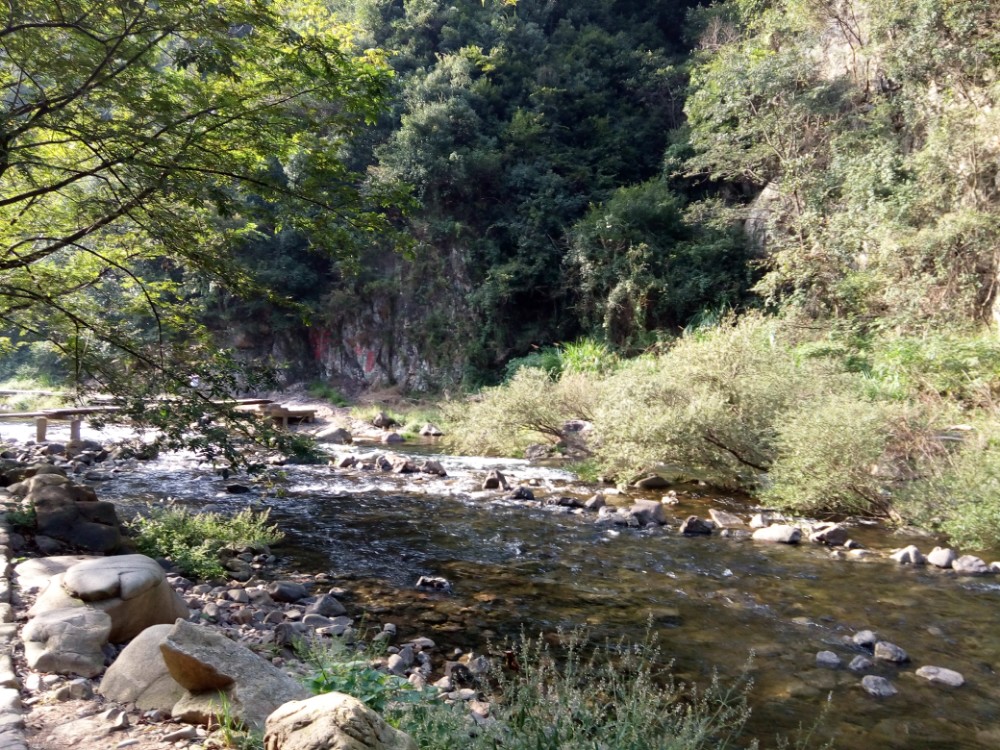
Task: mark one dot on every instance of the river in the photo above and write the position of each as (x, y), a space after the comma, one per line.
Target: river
(712, 601)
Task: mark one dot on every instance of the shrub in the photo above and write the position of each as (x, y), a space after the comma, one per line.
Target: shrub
(549, 360)
(961, 493)
(830, 456)
(192, 541)
(506, 419)
(710, 407)
(613, 696)
(326, 392)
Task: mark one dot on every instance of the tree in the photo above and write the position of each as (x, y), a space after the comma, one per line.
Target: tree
(139, 141)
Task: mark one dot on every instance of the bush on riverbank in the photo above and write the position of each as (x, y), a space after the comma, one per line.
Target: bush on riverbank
(193, 541)
(805, 419)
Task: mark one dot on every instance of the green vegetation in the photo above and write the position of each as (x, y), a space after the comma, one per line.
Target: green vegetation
(343, 668)
(614, 696)
(193, 541)
(327, 392)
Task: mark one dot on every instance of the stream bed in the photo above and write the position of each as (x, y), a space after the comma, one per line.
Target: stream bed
(711, 601)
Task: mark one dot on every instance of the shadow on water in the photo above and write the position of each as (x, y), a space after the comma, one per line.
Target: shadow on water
(712, 601)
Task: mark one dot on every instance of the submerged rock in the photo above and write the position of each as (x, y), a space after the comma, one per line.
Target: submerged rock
(941, 676)
(878, 686)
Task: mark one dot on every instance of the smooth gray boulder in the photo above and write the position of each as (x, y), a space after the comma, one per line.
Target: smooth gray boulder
(909, 555)
(140, 676)
(942, 557)
(332, 721)
(831, 534)
(35, 574)
(67, 641)
(778, 533)
(970, 565)
(214, 669)
(941, 676)
(878, 687)
(337, 435)
(132, 589)
(886, 651)
(827, 660)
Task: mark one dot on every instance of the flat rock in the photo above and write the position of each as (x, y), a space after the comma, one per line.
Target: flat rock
(123, 576)
(726, 520)
(694, 526)
(941, 676)
(778, 533)
(67, 641)
(970, 565)
(648, 511)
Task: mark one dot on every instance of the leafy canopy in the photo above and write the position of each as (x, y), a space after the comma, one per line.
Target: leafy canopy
(140, 140)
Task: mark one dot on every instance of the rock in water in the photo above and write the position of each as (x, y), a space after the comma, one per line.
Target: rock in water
(332, 721)
(941, 676)
(878, 686)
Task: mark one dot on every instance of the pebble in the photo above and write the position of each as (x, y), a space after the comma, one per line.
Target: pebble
(827, 660)
(878, 686)
(886, 651)
(860, 664)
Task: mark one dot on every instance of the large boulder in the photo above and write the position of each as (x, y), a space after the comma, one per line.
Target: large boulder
(67, 641)
(71, 513)
(217, 672)
(648, 511)
(332, 721)
(131, 589)
(140, 675)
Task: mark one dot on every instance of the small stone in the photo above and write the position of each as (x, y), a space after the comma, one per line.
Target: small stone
(827, 660)
(860, 664)
(886, 651)
(878, 686)
(185, 733)
(941, 676)
(942, 557)
(865, 638)
(595, 503)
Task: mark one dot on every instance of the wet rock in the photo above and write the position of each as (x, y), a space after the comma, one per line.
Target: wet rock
(694, 526)
(764, 519)
(726, 520)
(832, 534)
(336, 435)
(651, 482)
(430, 430)
(564, 501)
(521, 493)
(970, 565)
(909, 555)
(393, 438)
(402, 465)
(346, 462)
(860, 664)
(941, 676)
(332, 721)
(596, 502)
(495, 480)
(435, 583)
(827, 660)
(942, 557)
(865, 639)
(878, 687)
(647, 511)
(431, 466)
(383, 421)
(237, 489)
(778, 533)
(886, 651)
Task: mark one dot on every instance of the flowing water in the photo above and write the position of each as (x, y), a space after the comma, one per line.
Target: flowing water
(712, 600)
